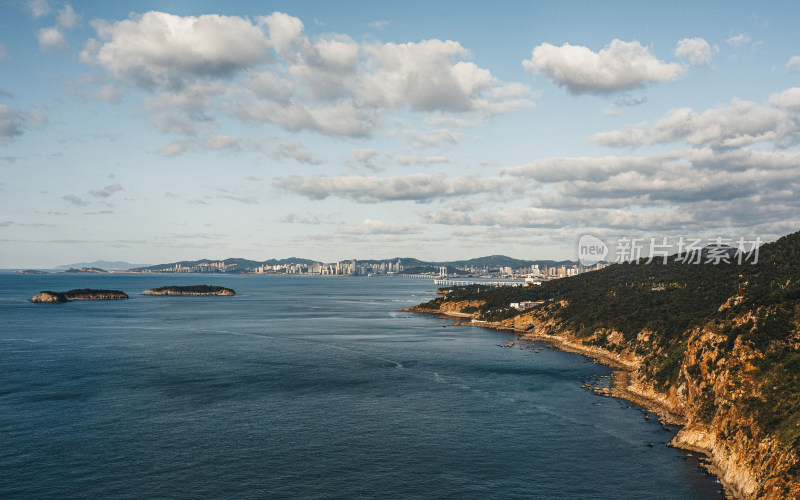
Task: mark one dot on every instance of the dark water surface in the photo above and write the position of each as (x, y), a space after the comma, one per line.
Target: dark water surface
(304, 387)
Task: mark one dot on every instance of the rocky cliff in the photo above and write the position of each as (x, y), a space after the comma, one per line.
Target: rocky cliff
(714, 349)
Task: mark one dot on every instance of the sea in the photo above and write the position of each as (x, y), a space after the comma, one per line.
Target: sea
(308, 388)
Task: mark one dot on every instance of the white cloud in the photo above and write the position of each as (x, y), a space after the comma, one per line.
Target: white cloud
(185, 110)
(379, 25)
(67, 18)
(370, 226)
(342, 118)
(617, 67)
(110, 93)
(311, 219)
(160, 50)
(429, 75)
(269, 86)
(325, 68)
(367, 158)
(739, 124)
(51, 38)
(197, 67)
(423, 76)
(587, 168)
(39, 8)
(696, 190)
(441, 120)
(415, 187)
(220, 142)
(13, 123)
(793, 65)
(295, 151)
(738, 40)
(421, 160)
(625, 101)
(247, 200)
(341, 87)
(788, 100)
(75, 200)
(431, 138)
(695, 50)
(509, 217)
(106, 191)
(213, 143)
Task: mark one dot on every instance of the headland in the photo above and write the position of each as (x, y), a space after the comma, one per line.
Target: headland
(713, 348)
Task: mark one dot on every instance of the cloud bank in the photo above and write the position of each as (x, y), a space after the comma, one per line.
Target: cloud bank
(267, 71)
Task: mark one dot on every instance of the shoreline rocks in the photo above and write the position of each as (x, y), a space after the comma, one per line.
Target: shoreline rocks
(736, 474)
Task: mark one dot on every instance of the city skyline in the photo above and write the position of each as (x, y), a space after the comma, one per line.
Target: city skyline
(442, 132)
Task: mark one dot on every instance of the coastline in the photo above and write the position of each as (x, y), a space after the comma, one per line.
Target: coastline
(623, 387)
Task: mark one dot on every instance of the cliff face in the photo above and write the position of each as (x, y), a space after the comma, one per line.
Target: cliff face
(723, 397)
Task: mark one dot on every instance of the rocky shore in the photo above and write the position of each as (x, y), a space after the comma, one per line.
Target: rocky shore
(48, 297)
(737, 465)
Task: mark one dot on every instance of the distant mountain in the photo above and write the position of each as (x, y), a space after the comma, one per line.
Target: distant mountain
(243, 265)
(234, 265)
(406, 261)
(451, 271)
(493, 261)
(290, 260)
(103, 264)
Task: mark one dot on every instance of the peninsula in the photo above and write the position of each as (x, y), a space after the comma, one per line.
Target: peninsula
(714, 347)
(48, 297)
(194, 290)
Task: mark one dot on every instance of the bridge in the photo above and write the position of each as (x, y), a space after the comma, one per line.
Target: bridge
(448, 282)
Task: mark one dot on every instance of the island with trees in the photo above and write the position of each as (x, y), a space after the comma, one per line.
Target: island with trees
(192, 291)
(48, 297)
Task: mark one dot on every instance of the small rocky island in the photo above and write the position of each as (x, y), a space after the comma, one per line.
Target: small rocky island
(48, 297)
(73, 270)
(194, 290)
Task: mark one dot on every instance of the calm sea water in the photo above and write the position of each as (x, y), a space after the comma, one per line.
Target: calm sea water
(304, 387)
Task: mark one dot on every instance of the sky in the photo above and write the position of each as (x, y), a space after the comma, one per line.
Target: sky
(153, 132)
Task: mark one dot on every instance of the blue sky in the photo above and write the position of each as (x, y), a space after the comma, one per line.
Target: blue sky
(159, 131)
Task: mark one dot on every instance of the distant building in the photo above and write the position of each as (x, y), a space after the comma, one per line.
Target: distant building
(521, 306)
